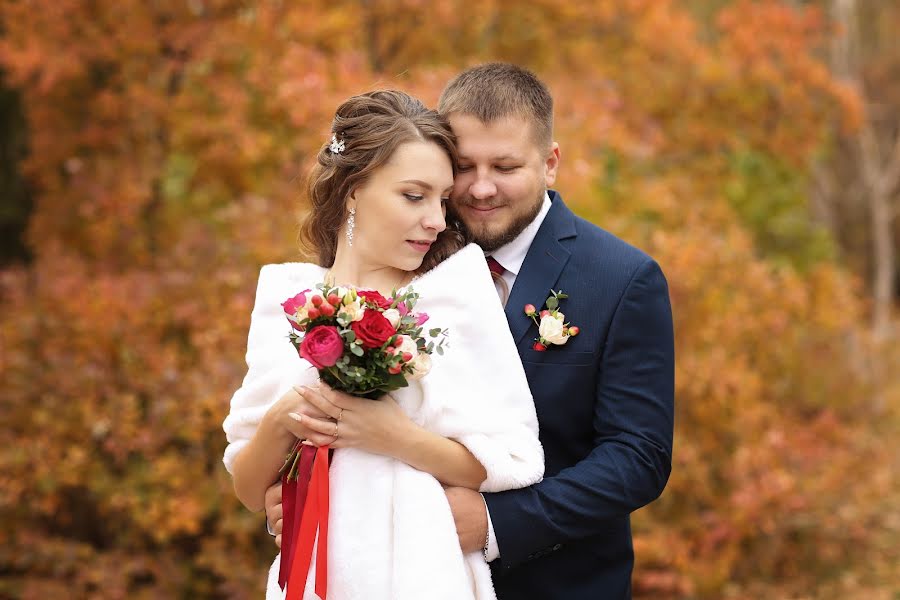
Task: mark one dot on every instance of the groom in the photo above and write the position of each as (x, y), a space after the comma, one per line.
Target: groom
(604, 399)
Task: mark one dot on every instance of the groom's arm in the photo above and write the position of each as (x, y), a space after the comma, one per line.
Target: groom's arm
(633, 422)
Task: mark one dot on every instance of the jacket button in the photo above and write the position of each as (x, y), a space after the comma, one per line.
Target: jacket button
(557, 547)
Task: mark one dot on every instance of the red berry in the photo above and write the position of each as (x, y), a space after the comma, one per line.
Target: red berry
(573, 330)
(327, 310)
(539, 347)
(334, 299)
(313, 314)
(390, 350)
(545, 313)
(316, 300)
(395, 370)
(406, 357)
(530, 309)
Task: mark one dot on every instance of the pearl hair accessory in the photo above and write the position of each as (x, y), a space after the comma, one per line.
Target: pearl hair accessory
(336, 146)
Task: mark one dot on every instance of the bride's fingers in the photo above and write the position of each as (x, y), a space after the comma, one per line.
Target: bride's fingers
(327, 429)
(301, 405)
(319, 401)
(340, 399)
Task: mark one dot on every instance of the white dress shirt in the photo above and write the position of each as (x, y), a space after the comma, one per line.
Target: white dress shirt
(511, 256)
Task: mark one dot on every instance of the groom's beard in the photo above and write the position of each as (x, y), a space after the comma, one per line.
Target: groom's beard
(484, 234)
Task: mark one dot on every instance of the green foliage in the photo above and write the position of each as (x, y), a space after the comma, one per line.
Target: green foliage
(771, 200)
(167, 140)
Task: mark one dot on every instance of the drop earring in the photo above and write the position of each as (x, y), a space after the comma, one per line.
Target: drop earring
(351, 223)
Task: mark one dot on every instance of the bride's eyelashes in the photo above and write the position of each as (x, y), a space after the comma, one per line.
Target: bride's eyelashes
(413, 197)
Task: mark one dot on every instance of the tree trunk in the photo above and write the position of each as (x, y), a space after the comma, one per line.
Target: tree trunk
(884, 260)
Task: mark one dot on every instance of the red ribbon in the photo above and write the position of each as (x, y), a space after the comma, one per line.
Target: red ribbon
(293, 498)
(315, 518)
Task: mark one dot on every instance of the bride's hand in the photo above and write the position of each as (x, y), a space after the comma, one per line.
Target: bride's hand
(282, 416)
(377, 426)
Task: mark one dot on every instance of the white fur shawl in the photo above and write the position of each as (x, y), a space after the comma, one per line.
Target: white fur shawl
(391, 533)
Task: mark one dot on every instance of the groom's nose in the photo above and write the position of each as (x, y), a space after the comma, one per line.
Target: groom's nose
(482, 188)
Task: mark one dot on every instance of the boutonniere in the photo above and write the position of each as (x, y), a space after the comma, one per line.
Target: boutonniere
(552, 326)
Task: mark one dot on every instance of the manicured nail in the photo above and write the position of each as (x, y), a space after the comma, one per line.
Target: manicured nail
(307, 443)
(296, 417)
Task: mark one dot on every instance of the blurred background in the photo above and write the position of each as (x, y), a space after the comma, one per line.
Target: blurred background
(153, 155)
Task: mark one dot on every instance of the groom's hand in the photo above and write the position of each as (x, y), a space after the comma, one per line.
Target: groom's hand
(470, 515)
(274, 511)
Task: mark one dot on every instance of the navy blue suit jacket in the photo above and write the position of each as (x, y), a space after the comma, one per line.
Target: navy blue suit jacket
(605, 404)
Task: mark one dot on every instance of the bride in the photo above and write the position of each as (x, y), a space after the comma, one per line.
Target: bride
(379, 221)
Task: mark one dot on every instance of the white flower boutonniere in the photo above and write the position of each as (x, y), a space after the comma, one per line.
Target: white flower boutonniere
(552, 326)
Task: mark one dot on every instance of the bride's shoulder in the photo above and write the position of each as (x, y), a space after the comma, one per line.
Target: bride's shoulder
(463, 261)
(465, 268)
(280, 276)
(292, 270)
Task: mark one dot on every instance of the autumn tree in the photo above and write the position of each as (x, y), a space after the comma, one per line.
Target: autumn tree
(166, 147)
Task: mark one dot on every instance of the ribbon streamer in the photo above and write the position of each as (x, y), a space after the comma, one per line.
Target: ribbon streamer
(315, 519)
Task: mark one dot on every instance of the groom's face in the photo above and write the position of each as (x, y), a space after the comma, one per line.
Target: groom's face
(502, 177)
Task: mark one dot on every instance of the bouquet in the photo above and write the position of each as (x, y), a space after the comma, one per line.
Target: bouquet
(362, 344)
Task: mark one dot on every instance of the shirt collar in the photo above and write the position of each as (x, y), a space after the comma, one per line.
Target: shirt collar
(512, 255)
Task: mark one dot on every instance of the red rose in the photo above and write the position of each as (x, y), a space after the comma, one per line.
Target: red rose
(375, 298)
(373, 329)
(322, 346)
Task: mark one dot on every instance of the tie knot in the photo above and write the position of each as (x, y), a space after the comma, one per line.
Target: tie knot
(495, 267)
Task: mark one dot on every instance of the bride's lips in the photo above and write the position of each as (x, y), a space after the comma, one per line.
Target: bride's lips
(420, 245)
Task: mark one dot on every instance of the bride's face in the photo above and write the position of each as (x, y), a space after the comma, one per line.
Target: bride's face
(400, 210)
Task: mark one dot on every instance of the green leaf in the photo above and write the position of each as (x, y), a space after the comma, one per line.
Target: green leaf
(356, 350)
(552, 302)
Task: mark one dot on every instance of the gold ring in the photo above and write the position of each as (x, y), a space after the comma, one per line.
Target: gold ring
(335, 430)
(340, 414)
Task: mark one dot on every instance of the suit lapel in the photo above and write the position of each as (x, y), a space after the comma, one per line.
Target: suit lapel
(543, 265)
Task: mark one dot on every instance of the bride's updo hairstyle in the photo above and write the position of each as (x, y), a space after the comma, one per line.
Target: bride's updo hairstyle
(371, 127)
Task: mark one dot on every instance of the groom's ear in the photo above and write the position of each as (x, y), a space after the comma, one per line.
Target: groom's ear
(551, 165)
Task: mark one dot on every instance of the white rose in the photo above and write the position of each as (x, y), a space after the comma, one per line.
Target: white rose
(551, 329)
(406, 344)
(421, 364)
(354, 310)
(393, 316)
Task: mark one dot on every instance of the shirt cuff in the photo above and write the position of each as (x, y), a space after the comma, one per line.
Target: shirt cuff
(491, 550)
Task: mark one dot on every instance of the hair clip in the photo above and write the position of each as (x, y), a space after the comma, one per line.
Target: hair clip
(336, 146)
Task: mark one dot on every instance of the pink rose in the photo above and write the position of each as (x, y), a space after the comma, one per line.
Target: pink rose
(322, 346)
(421, 318)
(402, 309)
(291, 305)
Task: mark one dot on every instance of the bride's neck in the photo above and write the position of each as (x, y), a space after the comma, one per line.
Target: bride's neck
(350, 270)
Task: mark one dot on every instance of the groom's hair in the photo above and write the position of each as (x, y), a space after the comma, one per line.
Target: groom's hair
(492, 91)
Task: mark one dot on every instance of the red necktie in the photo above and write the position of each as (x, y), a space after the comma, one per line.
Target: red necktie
(495, 267)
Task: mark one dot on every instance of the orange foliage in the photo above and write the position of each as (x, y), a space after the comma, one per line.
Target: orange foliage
(166, 142)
